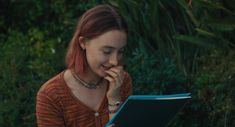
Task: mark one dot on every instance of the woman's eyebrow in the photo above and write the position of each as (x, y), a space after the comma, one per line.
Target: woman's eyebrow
(109, 47)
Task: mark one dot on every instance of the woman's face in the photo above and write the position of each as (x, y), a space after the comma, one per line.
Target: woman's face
(105, 51)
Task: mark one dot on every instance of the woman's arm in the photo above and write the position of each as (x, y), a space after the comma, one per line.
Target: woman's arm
(125, 92)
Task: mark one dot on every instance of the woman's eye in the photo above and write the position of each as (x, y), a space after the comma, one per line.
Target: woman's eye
(106, 52)
(121, 51)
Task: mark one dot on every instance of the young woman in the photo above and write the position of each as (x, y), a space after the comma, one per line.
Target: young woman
(94, 85)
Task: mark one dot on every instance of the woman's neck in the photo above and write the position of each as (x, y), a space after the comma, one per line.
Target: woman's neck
(89, 76)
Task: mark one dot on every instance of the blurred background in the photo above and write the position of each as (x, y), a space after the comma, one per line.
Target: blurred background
(174, 46)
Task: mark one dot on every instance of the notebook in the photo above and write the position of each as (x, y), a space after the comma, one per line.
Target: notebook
(149, 110)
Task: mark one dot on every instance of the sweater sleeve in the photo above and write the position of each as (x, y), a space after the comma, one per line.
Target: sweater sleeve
(126, 89)
(48, 112)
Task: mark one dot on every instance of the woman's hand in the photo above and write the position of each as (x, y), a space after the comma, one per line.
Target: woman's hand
(115, 77)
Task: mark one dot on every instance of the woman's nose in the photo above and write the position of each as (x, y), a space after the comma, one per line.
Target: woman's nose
(113, 60)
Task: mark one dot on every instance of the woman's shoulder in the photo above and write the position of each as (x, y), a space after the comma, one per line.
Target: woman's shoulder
(55, 84)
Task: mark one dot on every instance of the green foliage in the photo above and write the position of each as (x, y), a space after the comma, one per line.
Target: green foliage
(212, 26)
(26, 61)
(152, 75)
(153, 25)
(12, 90)
(198, 38)
(214, 93)
(178, 30)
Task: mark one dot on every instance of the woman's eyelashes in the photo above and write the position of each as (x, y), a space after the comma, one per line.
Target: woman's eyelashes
(121, 51)
(108, 52)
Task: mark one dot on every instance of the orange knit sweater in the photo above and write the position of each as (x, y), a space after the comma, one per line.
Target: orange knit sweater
(57, 107)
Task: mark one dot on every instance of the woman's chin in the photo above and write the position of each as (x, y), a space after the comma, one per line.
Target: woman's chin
(102, 74)
(102, 71)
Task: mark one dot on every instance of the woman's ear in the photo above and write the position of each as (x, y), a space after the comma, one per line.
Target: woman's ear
(82, 42)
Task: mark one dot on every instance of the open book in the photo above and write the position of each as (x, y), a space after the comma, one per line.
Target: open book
(149, 110)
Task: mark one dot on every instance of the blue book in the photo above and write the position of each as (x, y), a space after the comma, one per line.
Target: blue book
(149, 110)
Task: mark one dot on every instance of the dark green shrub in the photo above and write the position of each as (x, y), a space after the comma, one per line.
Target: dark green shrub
(155, 75)
(213, 93)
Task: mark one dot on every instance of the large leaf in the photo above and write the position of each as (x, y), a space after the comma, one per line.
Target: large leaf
(194, 40)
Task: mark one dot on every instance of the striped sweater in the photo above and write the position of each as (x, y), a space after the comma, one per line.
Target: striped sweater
(56, 105)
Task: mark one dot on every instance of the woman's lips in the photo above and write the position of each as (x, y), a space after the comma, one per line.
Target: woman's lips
(105, 68)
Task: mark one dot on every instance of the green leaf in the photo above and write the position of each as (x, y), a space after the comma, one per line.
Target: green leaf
(194, 40)
(214, 5)
(221, 24)
(204, 32)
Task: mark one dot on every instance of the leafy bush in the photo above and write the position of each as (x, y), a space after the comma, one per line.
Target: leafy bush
(154, 75)
(216, 90)
(27, 62)
(195, 36)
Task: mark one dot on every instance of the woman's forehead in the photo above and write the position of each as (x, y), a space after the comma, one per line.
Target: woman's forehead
(111, 39)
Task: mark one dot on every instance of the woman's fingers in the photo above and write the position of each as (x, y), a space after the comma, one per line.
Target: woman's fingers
(112, 73)
(109, 78)
(114, 76)
(118, 69)
(116, 73)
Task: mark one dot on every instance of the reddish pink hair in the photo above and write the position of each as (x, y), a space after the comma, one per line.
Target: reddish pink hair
(92, 23)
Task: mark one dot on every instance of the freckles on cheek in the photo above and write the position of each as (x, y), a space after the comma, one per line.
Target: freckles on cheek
(96, 59)
(101, 57)
(102, 60)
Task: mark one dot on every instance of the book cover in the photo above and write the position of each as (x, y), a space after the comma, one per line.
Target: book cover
(149, 110)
